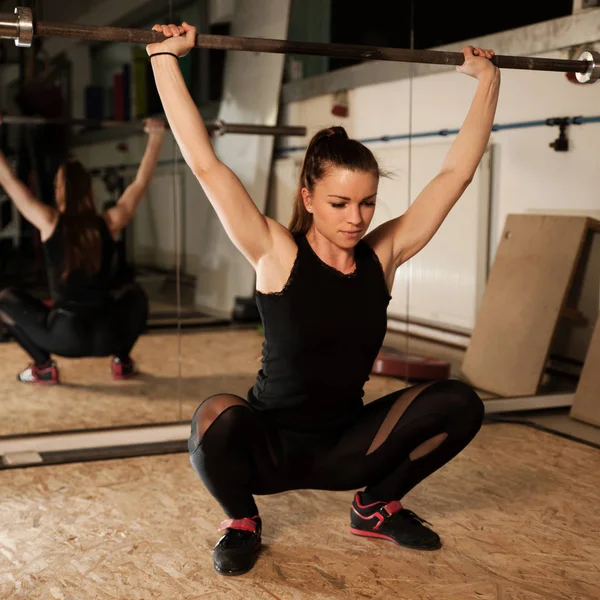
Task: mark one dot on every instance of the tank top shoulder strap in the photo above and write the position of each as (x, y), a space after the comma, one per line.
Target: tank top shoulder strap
(51, 241)
(370, 263)
(362, 251)
(300, 239)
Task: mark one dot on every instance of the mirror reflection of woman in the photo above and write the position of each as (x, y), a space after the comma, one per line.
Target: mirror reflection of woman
(86, 316)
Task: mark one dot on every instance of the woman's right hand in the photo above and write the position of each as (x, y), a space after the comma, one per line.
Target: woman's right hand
(180, 39)
(154, 126)
(477, 62)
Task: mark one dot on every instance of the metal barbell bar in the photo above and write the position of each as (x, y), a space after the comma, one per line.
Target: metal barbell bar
(21, 27)
(218, 127)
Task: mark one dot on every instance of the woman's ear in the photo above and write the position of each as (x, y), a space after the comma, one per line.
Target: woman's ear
(306, 198)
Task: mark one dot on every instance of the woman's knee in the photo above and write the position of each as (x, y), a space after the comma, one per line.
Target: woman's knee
(461, 401)
(209, 411)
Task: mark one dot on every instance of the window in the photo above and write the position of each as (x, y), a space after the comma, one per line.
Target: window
(436, 22)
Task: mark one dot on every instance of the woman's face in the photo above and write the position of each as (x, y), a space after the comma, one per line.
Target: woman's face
(342, 205)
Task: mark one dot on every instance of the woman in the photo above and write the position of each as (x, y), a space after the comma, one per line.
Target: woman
(87, 317)
(323, 291)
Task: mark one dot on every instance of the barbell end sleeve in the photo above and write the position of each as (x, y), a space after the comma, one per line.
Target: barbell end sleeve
(593, 71)
(24, 37)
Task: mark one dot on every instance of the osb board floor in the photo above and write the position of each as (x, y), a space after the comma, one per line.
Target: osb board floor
(222, 360)
(517, 512)
(559, 420)
(88, 397)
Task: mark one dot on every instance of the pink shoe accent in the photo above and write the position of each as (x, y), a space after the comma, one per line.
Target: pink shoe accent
(356, 499)
(118, 372)
(121, 376)
(380, 518)
(243, 524)
(371, 534)
(390, 508)
(393, 507)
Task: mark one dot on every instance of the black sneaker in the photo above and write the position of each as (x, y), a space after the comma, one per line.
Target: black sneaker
(236, 551)
(390, 521)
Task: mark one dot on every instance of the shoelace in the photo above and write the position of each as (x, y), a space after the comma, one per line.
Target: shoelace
(410, 514)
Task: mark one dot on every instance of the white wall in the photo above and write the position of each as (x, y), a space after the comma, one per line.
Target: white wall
(528, 174)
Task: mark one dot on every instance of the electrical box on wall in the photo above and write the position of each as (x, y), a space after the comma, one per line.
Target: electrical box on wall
(589, 3)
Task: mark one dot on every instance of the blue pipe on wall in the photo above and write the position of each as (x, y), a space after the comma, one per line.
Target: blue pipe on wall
(447, 132)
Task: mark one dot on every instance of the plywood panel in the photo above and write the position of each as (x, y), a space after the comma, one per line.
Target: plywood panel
(586, 403)
(572, 338)
(517, 513)
(526, 290)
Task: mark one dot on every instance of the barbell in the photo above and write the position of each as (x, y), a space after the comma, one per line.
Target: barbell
(217, 127)
(22, 28)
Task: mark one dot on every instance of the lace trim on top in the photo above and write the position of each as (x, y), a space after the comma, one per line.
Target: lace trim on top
(288, 283)
(329, 268)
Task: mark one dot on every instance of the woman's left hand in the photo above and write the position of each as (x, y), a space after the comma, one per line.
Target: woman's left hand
(477, 62)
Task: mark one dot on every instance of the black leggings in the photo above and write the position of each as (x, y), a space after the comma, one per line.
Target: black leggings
(237, 453)
(42, 331)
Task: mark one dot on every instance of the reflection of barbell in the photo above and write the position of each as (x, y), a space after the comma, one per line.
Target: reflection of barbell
(217, 127)
(21, 28)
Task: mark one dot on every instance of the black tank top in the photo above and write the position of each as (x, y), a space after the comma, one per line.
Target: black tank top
(79, 291)
(322, 335)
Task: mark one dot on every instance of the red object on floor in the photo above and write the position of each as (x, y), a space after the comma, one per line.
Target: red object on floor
(396, 363)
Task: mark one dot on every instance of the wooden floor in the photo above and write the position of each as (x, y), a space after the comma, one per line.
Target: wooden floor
(517, 512)
(223, 360)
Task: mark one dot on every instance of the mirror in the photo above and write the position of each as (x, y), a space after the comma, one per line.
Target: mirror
(133, 305)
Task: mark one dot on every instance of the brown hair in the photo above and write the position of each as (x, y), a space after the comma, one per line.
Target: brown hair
(82, 241)
(328, 148)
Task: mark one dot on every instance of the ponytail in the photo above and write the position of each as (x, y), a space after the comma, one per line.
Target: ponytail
(328, 148)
